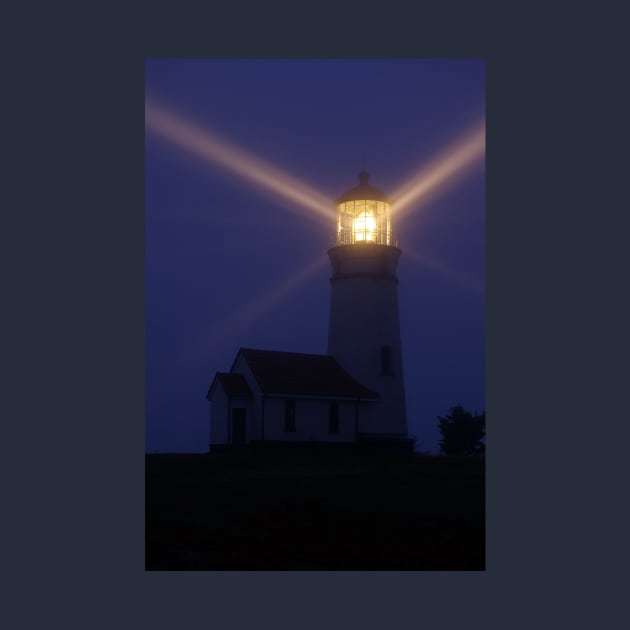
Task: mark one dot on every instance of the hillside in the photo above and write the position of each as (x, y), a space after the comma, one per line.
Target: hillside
(305, 512)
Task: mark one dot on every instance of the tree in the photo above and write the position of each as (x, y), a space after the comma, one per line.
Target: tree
(462, 432)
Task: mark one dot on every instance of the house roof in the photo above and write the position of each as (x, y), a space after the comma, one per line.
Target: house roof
(234, 385)
(302, 374)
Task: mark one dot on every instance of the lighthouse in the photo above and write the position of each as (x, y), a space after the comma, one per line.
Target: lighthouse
(364, 326)
(354, 394)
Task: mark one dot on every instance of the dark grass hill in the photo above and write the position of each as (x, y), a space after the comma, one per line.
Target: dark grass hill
(253, 511)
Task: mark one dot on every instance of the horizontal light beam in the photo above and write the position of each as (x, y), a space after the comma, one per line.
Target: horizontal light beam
(209, 146)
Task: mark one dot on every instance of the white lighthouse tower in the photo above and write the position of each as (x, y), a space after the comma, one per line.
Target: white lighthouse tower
(364, 328)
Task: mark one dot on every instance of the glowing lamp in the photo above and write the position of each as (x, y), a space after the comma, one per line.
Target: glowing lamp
(363, 215)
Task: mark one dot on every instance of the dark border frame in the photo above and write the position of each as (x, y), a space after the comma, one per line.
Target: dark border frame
(77, 307)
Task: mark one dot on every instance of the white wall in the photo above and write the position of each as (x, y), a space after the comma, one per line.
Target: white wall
(311, 415)
(364, 318)
(253, 412)
(221, 416)
(311, 421)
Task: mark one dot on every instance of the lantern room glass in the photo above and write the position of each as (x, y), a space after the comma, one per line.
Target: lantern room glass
(363, 221)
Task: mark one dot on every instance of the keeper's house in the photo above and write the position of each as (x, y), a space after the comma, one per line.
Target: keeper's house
(273, 397)
(286, 397)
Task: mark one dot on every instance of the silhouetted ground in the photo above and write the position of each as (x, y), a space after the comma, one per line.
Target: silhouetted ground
(324, 512)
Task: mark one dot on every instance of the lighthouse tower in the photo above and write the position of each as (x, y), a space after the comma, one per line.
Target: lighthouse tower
(364, 327)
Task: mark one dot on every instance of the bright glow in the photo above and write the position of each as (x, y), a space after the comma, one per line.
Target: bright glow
(212, 148)
(429, 180)
(451, 163)
(363, 220)
(358, 220)
(364, 227)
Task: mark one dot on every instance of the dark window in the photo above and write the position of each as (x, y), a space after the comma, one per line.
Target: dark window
(333, 418)
(289, 416)
(386, 360)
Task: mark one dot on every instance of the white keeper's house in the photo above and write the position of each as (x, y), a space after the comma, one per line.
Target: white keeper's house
(353, 394)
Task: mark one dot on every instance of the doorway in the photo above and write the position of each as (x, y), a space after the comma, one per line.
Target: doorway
(239, 416)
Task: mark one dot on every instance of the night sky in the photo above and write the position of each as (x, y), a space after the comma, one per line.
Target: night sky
(230, 263)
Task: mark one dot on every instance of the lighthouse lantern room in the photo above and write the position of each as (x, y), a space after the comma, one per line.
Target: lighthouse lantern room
(363, 215)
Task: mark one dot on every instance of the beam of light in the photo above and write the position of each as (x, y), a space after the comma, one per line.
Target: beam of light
(239, 321)
(210, 147)
(451, 163)
(462, 279)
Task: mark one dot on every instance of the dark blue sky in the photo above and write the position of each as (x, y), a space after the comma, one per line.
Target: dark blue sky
(215, 243)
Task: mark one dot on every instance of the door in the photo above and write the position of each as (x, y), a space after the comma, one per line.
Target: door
(239, 416)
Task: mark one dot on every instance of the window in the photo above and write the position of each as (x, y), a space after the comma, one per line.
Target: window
(363, 221)
(333, 418)
(289, 416)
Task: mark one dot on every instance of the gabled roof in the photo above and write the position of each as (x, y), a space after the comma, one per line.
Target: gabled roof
(234, 385)
(302, 374)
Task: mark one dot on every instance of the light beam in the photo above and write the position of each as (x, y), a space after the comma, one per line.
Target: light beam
(429, 181)
(212, 148)
(450, 164)
(238, 321)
